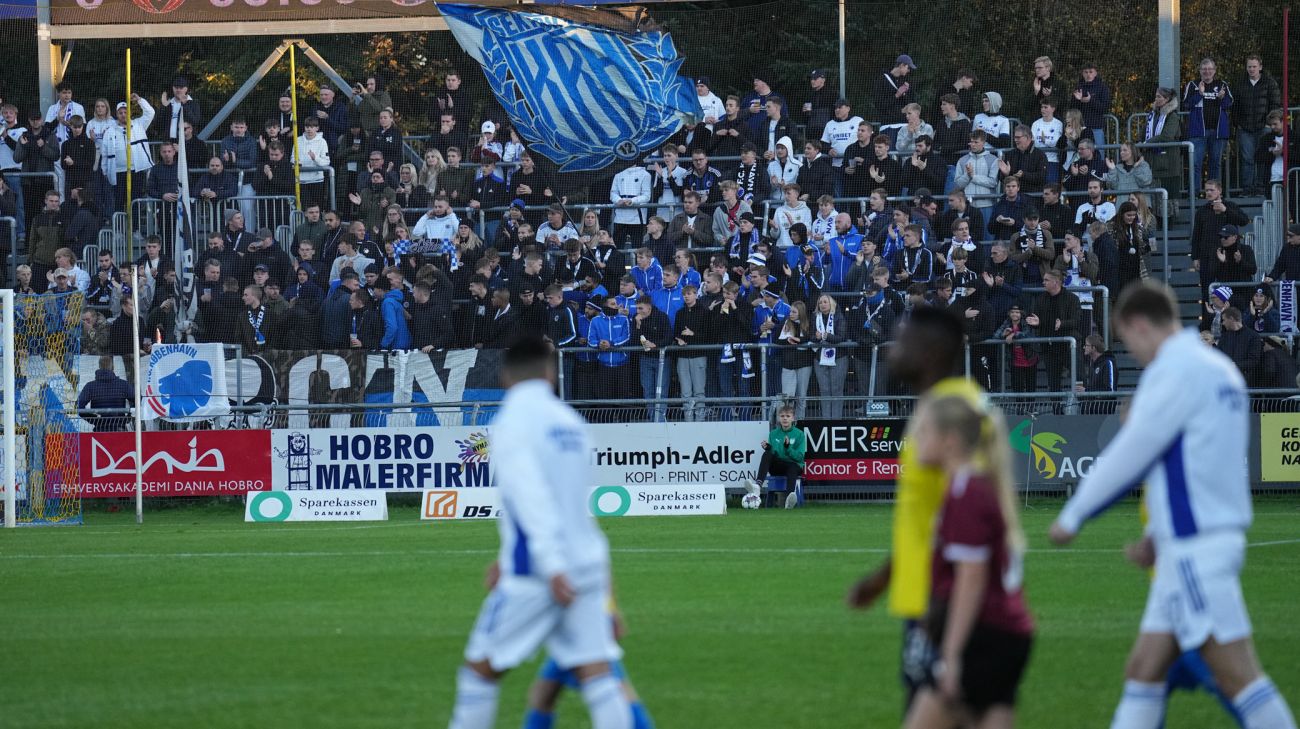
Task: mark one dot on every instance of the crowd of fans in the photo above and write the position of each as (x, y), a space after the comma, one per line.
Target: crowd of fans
(728, 248)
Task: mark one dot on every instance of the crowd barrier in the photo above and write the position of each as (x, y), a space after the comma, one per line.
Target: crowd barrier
(11, 260)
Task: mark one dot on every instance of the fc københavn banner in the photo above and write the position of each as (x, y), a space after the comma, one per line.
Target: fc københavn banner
(586, 89)
(185, 381)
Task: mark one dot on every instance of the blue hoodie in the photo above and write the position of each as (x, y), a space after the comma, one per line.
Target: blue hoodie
(396, 334)
(613, 329)
(838, 264)
(669, 301)
(649, 279)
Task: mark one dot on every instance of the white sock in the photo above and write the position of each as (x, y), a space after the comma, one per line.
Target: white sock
(608, 706)
(1262, 707)
(1141, 707)
(476, 701)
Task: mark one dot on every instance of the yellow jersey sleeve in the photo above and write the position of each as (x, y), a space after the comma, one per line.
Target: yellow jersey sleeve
(918, 496)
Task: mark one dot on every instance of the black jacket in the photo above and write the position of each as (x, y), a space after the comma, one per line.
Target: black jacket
(1245, 348)
(699, 320)
(301, 326)
(889, 106)
(784, 128)
(107, 390)
(431, 326)
(1230, 269)
(1287, 265)
(931, 178)
(1206, 225)
(951, 141)
(1102, 374)
(1252, 103)
(654, 328)
(502, 329)
(1034, 165)
(368, 326)
(1063, 306)
(817, 178)
(82, 152)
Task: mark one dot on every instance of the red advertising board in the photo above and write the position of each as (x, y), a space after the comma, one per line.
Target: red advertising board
(853, 451)
(177, 463)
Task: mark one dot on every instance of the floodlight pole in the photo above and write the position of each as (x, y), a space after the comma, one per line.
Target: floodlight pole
(10, 470)
(843, 34)
(1170, 51)
(46, 53)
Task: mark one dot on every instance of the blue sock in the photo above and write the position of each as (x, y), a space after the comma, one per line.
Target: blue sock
(641, 718)
(535, 719)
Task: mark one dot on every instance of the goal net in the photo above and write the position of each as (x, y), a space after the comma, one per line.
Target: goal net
(41, 341)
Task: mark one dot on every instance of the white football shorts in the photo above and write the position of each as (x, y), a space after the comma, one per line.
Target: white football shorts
(520, 616)
(1196, 593)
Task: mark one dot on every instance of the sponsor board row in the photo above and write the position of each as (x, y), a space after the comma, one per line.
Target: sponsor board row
(456, 504)
(1052, 449)
(627, 500)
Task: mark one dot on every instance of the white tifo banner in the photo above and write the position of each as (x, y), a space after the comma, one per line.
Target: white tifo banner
(185, 380)
(699, 500)
(276, 506)
(451, 457)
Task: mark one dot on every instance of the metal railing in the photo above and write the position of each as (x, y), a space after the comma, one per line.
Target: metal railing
(11, 260)
(1269, 228)
(1293, 184)
(332, 198)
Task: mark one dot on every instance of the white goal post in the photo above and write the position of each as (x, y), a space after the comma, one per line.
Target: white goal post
(9, 469)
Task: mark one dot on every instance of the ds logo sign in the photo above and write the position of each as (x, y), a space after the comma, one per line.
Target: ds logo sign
(472, 503)
(440, 505)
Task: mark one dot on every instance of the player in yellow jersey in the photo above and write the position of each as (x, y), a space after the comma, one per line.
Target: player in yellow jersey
(927, 357)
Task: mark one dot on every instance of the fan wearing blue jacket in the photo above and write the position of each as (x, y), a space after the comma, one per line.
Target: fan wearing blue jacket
(608, 330)
(668, 298)
(647, 273)
(397, 335)
(1207, 100)
(840, 251)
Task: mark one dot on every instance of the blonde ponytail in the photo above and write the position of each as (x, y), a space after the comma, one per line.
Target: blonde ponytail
(984, 431)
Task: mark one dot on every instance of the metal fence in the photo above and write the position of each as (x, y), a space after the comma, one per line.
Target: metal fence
(11, 260)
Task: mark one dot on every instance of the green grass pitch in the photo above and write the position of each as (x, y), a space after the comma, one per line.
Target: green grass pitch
(199, 620)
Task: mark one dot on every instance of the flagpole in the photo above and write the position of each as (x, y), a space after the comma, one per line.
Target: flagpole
(130, 238)
(139, 402)
(293, 97)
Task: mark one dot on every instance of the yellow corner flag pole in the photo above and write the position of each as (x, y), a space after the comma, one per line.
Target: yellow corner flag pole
(293, 96)
(130, 239)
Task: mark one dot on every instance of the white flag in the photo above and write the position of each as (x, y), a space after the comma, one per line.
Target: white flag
(185, 381)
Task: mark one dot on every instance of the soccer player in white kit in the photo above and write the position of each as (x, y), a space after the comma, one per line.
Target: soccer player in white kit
(1186, 438)
(552, 578)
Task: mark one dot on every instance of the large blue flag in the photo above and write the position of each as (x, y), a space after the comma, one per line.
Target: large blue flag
(583, 92)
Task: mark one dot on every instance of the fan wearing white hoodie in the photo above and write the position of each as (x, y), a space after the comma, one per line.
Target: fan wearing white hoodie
(993, 121)
(782, 170)
(793, 211)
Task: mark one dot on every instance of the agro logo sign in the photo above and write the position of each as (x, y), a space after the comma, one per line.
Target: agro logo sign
(380, 458)
(1044, 447)
(1060, 448)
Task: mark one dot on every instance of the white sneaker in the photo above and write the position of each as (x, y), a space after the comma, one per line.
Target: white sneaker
(791, 500)
(752, 488)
